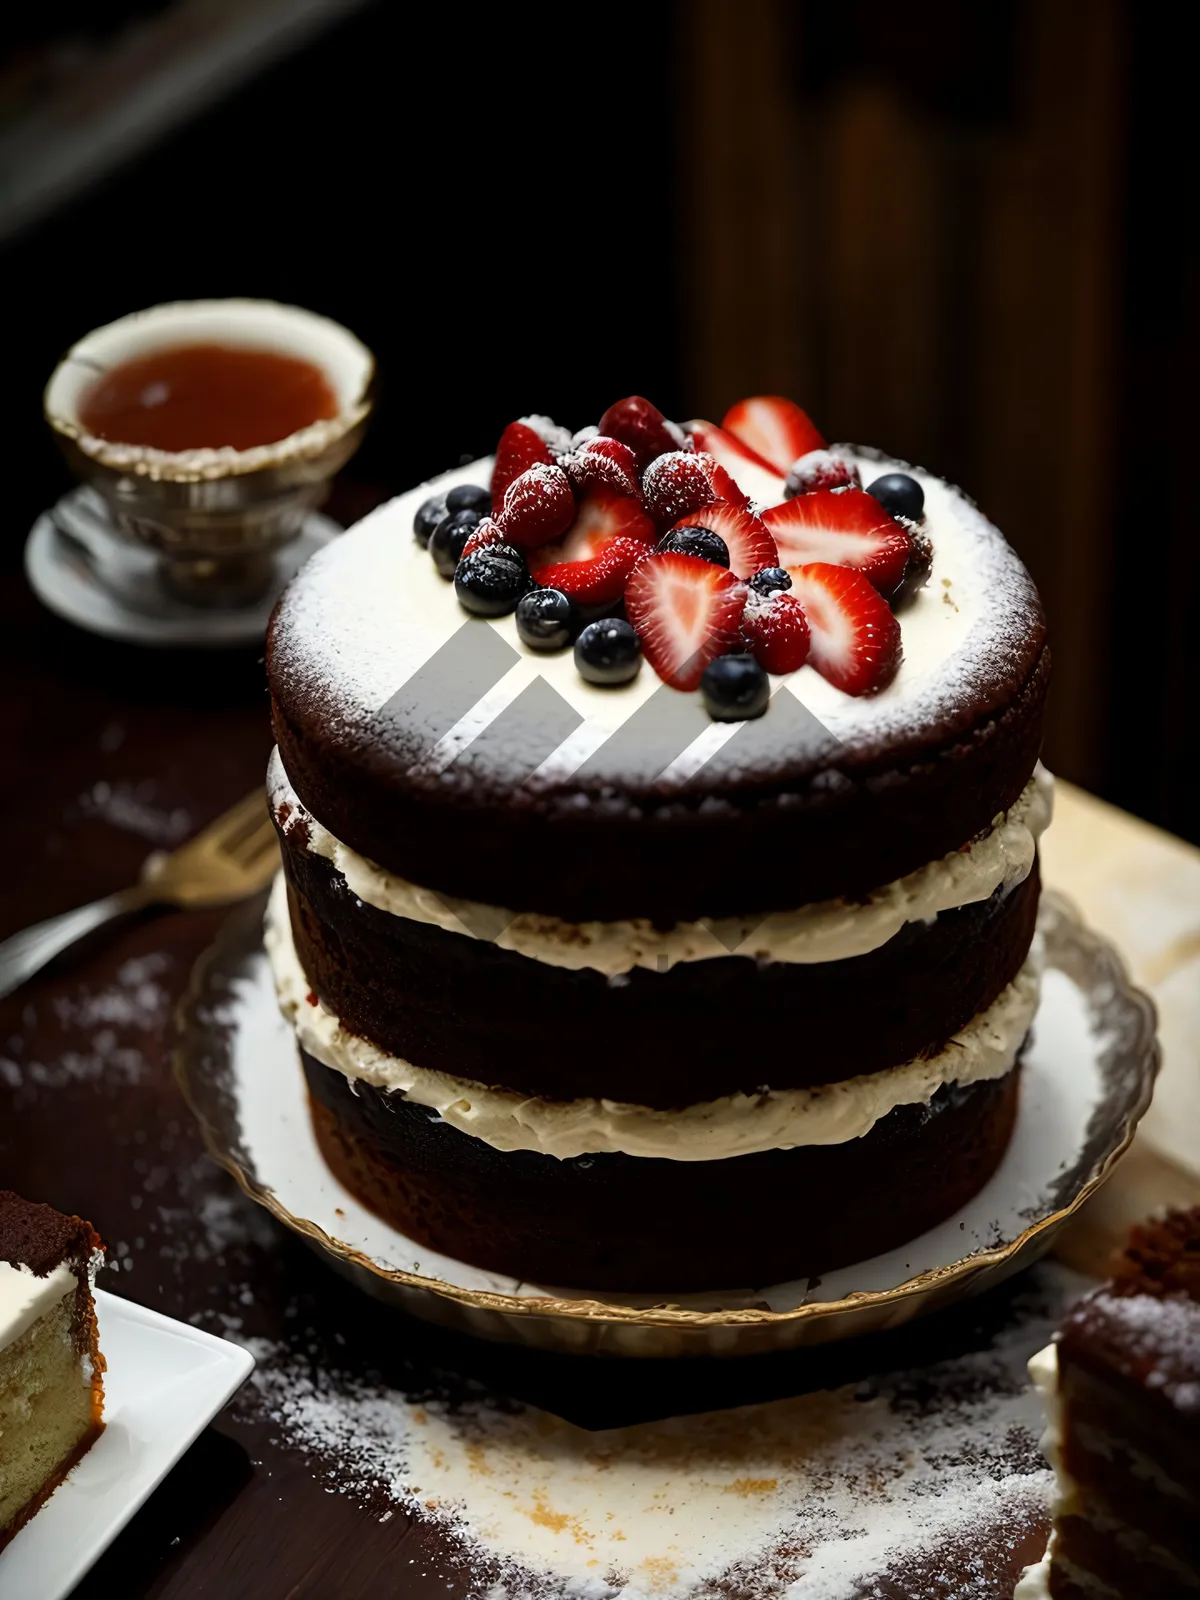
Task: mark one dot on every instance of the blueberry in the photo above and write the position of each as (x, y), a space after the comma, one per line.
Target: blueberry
(489, 582)
(735, 688)
(608, 652)
(899, 495)
(429, 514)
(451, 533)
(702, 542)
(771, 580)
(546, 619)
(470, 497)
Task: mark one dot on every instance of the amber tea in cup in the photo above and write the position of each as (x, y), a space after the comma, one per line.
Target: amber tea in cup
(207, 396)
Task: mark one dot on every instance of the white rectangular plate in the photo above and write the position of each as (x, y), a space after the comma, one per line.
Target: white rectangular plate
(165, 1382)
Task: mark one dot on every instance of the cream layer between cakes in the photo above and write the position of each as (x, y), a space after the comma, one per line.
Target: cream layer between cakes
(738, 1124)
(833, 930)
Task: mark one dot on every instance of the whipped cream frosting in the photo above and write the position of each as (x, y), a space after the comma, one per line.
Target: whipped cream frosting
(24, 1297)
(735, 1125)
(832, 930)
(1043, 1371)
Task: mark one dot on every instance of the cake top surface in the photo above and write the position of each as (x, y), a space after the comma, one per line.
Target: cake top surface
(371, 637)
(1144, 1325)
(39, 1238)
(702, 680)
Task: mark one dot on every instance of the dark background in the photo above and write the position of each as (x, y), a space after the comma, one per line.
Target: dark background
(960, 231)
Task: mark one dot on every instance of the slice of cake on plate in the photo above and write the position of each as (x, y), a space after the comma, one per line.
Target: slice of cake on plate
(659, 835)
(51, 1369)
(1121, 1387)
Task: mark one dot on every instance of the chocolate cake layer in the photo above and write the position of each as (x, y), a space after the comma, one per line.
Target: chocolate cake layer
(782, 830)
(703, 1029)
(1128, 1402)
(622, 1222)
(1112, 1560)
(695, 1032)
(40, 1238)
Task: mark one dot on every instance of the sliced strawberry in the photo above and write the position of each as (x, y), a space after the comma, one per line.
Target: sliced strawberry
(820, 469)
(609, 536)
(855, 639)
(606, 463)
(538, 506)
(846, 527)
(520, 448)
(751, 547)
(488, 532)
(753, 476)
(686, 611)
(776, 630)
(773, 428)
(640, 425)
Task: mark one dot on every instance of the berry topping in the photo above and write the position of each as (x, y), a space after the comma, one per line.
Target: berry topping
(485, 533)
(702, 542)
(469, 497)
(735, 689)
(774, 429)
(553, 435)
(610, 534)
(776, 631)
(753, 476)
(820, 469)
(520, 448)
(855, 639)
(607, 652)
(449, 538)
(916, 573)
(771, 580)
(846, 527)
(489, 582)
(747, 537)
(538, 506)
(640, 425)
(429, 513)
(686, 611)
(682, 481)
(899, 494)
(606, 463)
(546, 619)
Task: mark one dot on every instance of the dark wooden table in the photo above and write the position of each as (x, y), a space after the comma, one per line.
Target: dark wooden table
(112, 751)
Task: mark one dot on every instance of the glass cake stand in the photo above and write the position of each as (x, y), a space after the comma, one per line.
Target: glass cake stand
(1087, 1079)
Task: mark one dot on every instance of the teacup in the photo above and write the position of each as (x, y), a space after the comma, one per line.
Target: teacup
(216, 517)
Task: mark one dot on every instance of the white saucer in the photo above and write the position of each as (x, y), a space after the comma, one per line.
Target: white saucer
(165, 1381)
(84, 572)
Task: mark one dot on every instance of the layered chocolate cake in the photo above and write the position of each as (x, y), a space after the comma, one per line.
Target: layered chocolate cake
(659, 830)
(51, 1370)
(1121, 1386)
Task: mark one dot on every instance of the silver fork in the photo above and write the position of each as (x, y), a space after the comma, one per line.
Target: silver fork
(232, 858)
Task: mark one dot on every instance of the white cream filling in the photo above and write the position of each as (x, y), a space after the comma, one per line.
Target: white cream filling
(735, 1125)
(24, 1297)
(831, 930)
(1043, 1371)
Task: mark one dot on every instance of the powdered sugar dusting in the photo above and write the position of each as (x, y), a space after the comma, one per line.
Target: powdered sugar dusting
(112, 1019)
(1162, 1330)
(812, 1497)
(368, 611)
